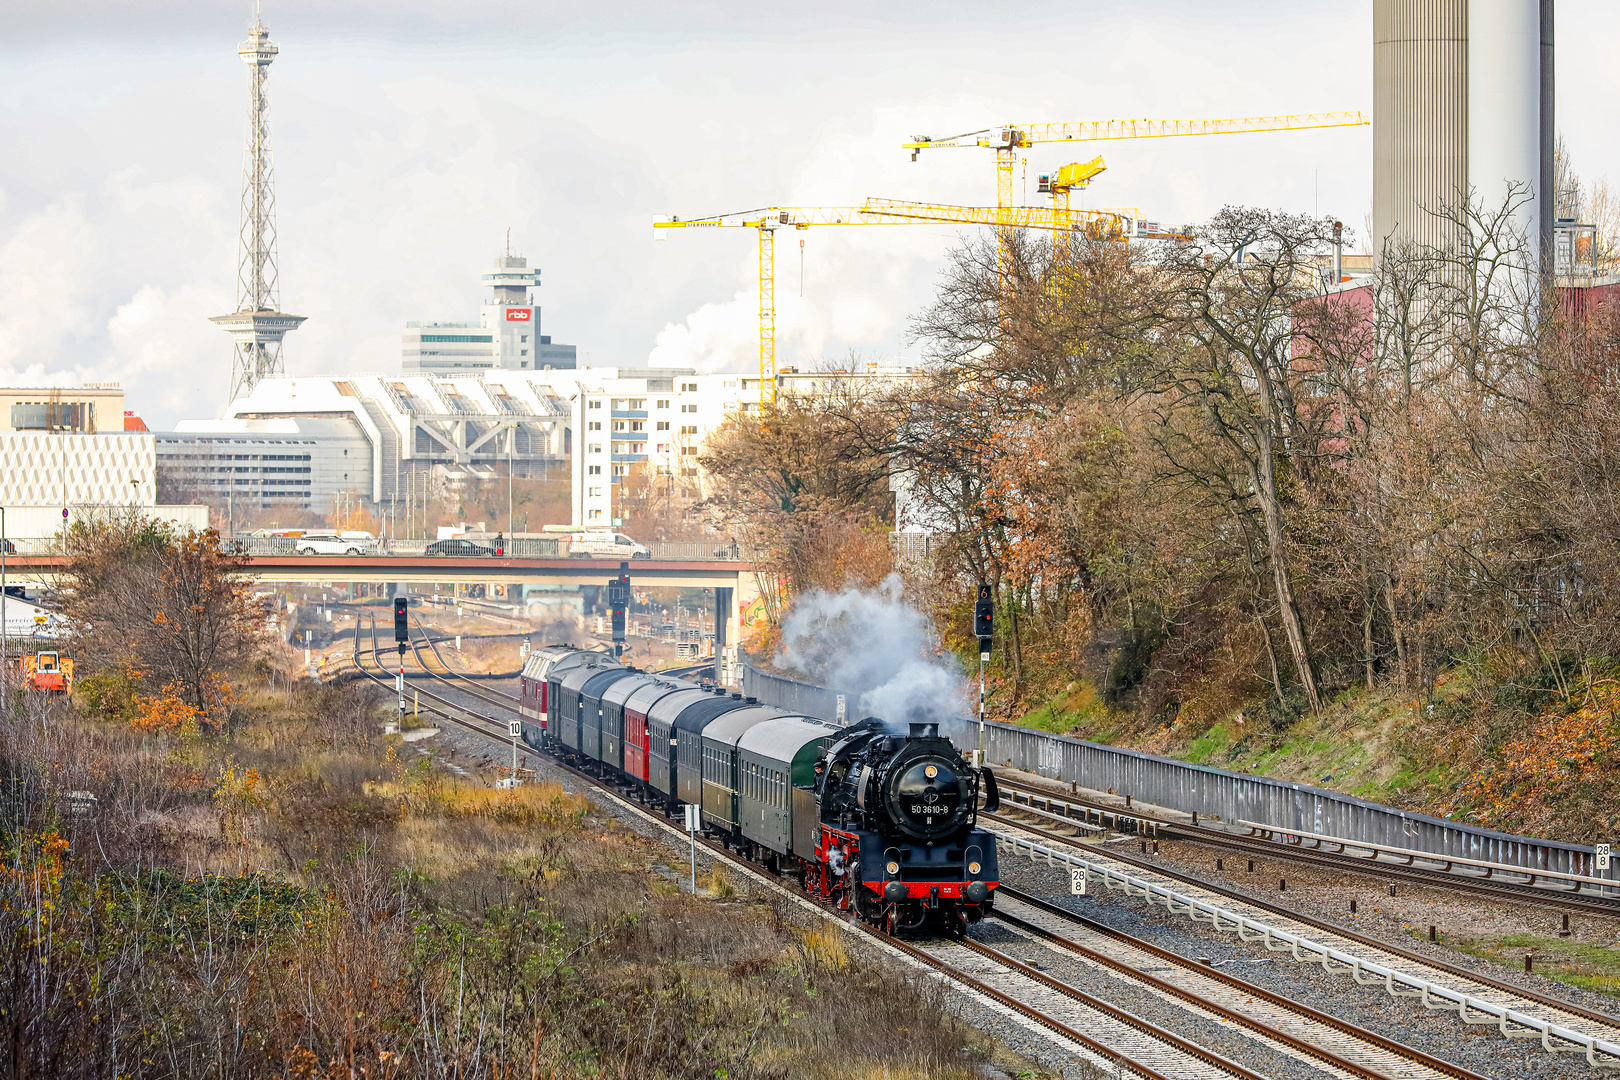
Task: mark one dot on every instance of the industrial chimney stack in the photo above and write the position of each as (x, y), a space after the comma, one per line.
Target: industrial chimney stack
(1462, 107)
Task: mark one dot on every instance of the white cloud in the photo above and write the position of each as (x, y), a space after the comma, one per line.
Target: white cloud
(407, 141)
(47, 271)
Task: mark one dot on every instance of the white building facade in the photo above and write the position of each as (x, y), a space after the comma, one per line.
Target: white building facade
(47, 479)
(602, 423)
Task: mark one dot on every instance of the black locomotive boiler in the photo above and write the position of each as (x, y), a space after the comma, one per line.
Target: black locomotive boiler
(899, 838)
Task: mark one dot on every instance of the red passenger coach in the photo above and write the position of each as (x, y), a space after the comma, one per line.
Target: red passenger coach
(636, 761)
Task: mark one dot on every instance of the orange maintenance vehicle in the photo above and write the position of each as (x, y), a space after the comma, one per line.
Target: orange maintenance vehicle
(48, 671)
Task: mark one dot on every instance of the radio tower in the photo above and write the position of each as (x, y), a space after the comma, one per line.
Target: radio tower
(257, 326)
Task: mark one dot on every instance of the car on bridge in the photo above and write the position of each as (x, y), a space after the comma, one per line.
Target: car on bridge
(601, 544)
(312, 543)
(457, 546)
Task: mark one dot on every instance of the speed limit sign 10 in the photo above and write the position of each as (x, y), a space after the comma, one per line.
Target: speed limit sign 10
(514, 728)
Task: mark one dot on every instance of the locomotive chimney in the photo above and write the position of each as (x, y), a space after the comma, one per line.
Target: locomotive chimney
(924, 731)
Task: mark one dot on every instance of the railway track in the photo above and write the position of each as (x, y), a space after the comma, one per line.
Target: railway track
(1313, 1033)
(1078, 1023)
(1454, 881)
(1371, 950)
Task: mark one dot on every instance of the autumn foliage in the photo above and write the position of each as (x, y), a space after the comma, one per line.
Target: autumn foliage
(167, 611)
(1564, 770)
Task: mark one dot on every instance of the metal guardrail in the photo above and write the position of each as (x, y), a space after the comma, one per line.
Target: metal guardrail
(1181, 785)
(522, 547)
(1396, 983)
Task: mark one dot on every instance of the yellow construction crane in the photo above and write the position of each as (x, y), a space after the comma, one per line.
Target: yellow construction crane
(768, 220)
(1008, 139)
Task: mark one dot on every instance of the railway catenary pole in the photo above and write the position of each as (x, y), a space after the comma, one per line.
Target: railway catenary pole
(984, 611)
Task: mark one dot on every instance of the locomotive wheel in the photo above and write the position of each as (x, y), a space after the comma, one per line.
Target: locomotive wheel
(890, 918)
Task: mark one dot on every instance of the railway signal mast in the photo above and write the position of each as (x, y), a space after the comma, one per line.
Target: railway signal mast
(402, 633)
(984, 613)
(619, 604)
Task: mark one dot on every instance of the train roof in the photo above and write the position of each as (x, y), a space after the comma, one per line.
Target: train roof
(620, 692)
(655, 689)
(575, 658)
(541, 659)
(669, 707)
(784, 735)
(793, 741)
(728, 728)
(696, 716)
(576, 677)
(602, 680)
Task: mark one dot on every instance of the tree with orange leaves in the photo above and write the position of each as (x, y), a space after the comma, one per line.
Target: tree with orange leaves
(169, 604)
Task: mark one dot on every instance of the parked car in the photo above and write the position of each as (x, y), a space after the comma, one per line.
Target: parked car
(457, 547)
(11, 549)
(606, 545)
(313, 543)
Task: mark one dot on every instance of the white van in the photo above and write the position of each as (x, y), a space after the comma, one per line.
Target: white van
(606, 545)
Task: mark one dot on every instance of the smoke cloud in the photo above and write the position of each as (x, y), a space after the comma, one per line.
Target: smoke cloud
(878, 650)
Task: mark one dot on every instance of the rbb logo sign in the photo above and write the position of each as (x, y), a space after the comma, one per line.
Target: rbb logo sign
(517, 314)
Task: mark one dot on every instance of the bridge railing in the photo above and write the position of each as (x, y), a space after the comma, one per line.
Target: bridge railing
(520, 547)
(1181, 785)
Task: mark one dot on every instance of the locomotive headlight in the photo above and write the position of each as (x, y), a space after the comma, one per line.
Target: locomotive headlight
(893, 867)
(973, 868)
(931, 771)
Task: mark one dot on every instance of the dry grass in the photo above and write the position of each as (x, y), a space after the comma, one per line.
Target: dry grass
(351, 910)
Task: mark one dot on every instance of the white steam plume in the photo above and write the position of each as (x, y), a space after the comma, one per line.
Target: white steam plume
(878, 650)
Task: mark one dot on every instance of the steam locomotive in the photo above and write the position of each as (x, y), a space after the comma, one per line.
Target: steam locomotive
(874, 820)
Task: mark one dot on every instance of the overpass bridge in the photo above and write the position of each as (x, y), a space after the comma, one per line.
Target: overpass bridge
(734, 583)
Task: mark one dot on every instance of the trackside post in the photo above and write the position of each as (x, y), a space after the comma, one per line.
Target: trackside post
(693, 823)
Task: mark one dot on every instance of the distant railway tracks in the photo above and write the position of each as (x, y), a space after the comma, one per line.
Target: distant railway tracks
(1202, 1008)
(1345, 951)
(1076, 810)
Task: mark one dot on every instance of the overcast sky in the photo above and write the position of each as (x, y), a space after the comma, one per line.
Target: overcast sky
(410, 135)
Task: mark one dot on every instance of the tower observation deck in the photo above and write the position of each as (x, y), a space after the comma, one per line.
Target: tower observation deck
(257, 326)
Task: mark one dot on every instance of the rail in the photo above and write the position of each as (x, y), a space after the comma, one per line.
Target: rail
(1278, 805)
(1333, 961)
(1298, 838)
